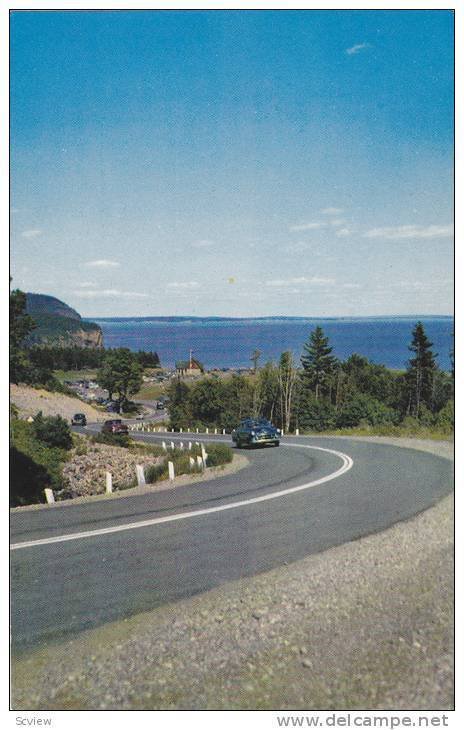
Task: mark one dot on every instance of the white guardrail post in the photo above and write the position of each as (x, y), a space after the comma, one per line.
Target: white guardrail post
(204, 456)
(109, 483)
(200, 462)
(171, 471)
(191, 462)
(49, 496)
(140, 475)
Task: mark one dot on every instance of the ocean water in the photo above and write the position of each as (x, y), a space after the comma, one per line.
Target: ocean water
(219, 343)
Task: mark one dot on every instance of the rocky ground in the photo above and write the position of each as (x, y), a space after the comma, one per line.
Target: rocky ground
(366, 625)
(84, 475)
(30, 401)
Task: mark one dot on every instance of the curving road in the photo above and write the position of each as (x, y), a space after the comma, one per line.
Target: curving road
(78, 566)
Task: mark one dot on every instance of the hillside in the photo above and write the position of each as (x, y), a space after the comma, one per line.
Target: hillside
(42, 304)
(30, 401)
(59, 324)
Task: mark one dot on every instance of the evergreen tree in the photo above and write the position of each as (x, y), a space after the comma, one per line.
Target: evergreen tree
(421, 371)
(21, 324)
(317, 360)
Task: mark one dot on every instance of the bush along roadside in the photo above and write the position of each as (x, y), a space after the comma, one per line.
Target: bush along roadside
(218, 455)
(38, 452)
(44, 454)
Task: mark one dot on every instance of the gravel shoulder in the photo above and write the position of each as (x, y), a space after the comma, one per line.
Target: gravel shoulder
(364, 625)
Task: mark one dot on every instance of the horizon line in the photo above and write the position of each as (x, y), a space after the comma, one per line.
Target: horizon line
(269, 316)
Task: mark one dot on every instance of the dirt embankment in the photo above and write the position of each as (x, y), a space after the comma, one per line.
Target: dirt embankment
(30, 401)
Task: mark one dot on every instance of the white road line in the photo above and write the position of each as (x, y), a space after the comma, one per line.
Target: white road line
(347, 464)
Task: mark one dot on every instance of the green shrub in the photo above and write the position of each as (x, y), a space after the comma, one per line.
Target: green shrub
(34, 465)
(81, 448)
(218, 454)
(362, 408)
(112, 439)
(317, 415)
(425, 415)
(52, 430)
(445, 417)
(28, 479)
(156, 472)
(146, 449)
(410, 425)
(181, 461)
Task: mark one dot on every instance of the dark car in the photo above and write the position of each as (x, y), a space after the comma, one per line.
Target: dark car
(79, 419)
(255, 431)
(112, 407)
(114, 426)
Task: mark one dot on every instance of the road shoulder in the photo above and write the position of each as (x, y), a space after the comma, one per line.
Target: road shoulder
(367, 624)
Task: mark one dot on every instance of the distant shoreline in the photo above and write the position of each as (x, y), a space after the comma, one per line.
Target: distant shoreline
(276, 318)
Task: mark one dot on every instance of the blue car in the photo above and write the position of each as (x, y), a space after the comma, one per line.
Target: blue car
(255, 432)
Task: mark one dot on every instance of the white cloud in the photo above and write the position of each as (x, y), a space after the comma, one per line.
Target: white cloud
(356, 48)
(306, 226)
(204, 243)
(297, 280)
(31, 233)
(343, 232)
(351, 286)
(109, 293)
(332, 211)
(337, 222)
(183, 285)
(416, 231)
(85, 284)
(102, 264)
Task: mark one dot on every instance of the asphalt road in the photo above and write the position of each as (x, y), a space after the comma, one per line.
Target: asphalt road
(66, 586)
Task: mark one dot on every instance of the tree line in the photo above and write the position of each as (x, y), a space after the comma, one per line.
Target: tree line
(35, 365)
(323, 392)
(78, 358)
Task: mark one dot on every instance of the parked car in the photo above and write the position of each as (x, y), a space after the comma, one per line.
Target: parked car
(112, 407)
(115, 425)
(79, 419)
(255, 431)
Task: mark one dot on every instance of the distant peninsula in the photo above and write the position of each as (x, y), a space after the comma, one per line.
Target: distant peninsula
(59, 325)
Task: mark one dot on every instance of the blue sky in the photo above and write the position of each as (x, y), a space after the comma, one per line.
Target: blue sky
(234, 163)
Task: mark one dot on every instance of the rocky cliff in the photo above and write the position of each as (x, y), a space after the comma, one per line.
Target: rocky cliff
(59, 324)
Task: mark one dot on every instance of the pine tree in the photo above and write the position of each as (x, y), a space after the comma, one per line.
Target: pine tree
(421, 370)
(317, 360)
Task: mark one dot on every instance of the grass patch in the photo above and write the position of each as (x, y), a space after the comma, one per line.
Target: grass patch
(402, 431)
(112, 439)
(218, 454)
(151, 391)
(137, 447)
(85, 374)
